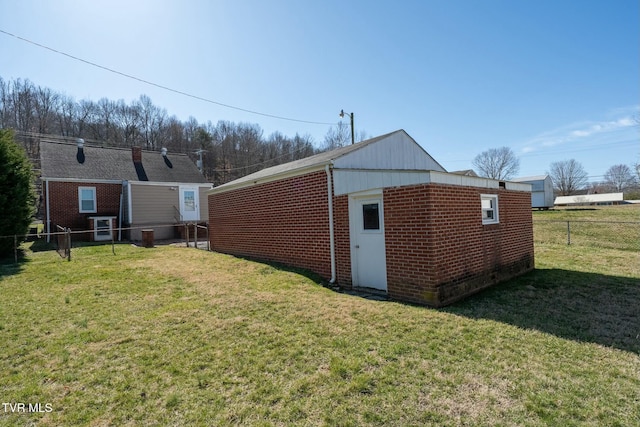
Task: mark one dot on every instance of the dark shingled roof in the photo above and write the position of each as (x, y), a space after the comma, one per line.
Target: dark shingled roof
(64, 160)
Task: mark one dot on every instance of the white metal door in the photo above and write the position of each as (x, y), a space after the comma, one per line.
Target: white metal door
(189, 204)
(368, 258)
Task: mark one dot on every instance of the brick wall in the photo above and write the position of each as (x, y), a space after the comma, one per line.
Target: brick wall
(285, 221)
(437, 248)
(64, 209)
(342, 240)
(439, 251)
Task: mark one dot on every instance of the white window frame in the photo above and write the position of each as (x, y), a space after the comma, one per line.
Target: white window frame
(493, 199)
(97, 231)
(80, 199)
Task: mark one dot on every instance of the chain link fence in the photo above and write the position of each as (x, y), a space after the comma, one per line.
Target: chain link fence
(620, 235)
(63, 240)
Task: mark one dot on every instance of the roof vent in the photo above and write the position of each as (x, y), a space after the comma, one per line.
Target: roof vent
(80, 154)
(164, 152)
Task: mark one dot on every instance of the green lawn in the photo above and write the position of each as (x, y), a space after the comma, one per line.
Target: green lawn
(176, 336)
(612, 227)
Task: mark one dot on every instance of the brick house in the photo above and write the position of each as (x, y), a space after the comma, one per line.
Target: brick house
(103, 189)
(379, 214)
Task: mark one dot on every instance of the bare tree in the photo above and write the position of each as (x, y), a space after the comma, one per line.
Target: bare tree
(129, 122)
(337, 136)
(619, 178)
(230, 150)
(302, 146)
(152, 120)
(568, 177)
(497, 163)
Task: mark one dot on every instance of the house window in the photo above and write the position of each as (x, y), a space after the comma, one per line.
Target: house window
(371, 216)
(87, 199)
(102, 228)
(489, 208)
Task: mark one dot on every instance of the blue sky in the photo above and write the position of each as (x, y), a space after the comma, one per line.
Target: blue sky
(552, 80)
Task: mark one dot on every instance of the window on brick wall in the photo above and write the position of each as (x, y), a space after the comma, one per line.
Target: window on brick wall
(87, 199)
(489, 208)
(371, 216)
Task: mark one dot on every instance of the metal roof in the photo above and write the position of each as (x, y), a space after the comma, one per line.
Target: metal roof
(530, 178)
(66, 160)
(589, 198)
(313, 162)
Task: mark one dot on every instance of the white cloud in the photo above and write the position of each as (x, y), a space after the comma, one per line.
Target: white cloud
(580, 132)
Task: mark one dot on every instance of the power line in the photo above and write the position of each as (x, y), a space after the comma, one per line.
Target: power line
(200, 98)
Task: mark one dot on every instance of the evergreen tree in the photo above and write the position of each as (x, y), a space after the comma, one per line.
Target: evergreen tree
(17, 197)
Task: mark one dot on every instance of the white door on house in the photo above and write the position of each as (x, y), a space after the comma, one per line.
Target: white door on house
(189, 204)
(368, 256)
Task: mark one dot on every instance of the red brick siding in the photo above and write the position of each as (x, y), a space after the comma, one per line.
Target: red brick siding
(285, 221)
(64, 209)
(438, 250)
(342, 240)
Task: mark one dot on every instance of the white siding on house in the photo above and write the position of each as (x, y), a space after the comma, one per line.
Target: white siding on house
(154, 204)
(398, 151)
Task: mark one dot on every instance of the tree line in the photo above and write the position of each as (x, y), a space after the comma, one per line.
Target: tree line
(569, 176)
(229, 150)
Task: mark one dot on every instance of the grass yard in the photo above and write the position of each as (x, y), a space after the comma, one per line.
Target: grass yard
(176, 336)
(609, 227)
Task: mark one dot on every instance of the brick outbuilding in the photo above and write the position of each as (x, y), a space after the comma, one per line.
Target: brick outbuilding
(379, 214)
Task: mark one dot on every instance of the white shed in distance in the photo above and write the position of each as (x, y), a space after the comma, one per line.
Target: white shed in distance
(541, 190)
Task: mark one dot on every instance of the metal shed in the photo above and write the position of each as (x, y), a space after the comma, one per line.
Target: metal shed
(541, 190)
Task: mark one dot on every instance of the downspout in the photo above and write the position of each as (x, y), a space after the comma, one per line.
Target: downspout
(332, 246)
(48, 213)
(121, 212)
(129, 206)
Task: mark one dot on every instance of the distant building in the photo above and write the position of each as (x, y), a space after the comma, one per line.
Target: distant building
(590, 199)
(103, 189)
(466, 172)
(541, 190)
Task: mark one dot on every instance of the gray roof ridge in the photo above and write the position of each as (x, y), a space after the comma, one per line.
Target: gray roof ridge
(97, 145)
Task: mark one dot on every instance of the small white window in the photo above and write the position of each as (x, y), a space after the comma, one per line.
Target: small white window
(489, 208)
(87, 199)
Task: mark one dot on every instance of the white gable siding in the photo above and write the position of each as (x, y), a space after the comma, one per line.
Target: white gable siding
(396, 152)
(352, 181)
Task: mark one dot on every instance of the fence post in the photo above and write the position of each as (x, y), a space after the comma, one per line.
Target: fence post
(568, 233)
(68, 239)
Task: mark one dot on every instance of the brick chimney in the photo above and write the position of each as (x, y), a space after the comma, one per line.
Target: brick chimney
(136, 154)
